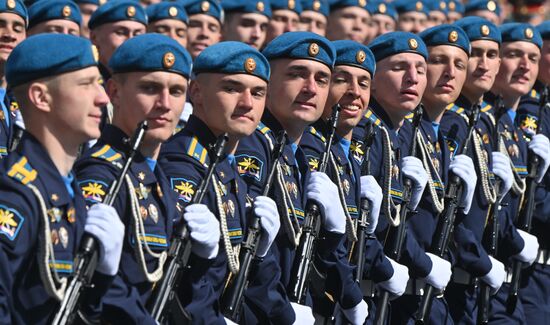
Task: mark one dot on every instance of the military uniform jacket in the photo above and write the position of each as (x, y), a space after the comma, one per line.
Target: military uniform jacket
(387, 143)
(24, 229)
(345, 173)
(528, 118)
(149, 214)
(185, 159)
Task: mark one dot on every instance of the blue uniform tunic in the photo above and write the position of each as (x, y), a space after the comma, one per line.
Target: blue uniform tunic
(156, 207)
(23, 297)
(185, 160)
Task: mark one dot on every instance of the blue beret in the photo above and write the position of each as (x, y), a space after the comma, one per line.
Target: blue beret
(403, 6)
(119, 10)
(354, 54)
(455, 6)
(397, 42)
(16, 7)
(293, 5)
(46, 55)
(321, 6)
(515, 32)
(544, 30)
(336, 4)
(250, 6)
(382, 8)
(166, 10)
(490, 5)
(45, 10)
(301, 45)
(478, 28)
(232, 58)
(93, 2)
(437, 5)
(446, 35)
(151, 52)
(207, 7)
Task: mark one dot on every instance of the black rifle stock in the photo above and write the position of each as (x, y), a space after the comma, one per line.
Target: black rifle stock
(525, 216)
(393, 249)
(234, 295)
(164, 302)
(87, 255)
(446, 223)
(305, 252)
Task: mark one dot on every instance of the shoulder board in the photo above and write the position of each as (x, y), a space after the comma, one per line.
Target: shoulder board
(534, 94)
(486, 107)
(372, 117)
(263, 128)
(14, 106)
(108, 154)
(456, 109)
(196, 151)
(22, 171)
(316, 133)
(409, 117)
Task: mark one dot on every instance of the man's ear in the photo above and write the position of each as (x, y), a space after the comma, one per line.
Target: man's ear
(195, 93)
(113, 91)
(39, 95)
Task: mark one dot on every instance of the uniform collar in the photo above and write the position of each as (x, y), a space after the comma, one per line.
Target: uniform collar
(463, 102)
(379, 111)
(271, 122)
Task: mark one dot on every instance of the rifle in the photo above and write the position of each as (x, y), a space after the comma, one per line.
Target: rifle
(310, 229)
(446, 224)
(88, 254)
(365, 207)
(165, 304)
(526, 213)
(233, 297)
(484, 303)
(399, 232)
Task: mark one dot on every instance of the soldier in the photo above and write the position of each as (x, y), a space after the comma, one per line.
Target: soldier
(489, 10)
(314, 16)
(13, 21)
(520, 55)
(348, 19)
(149, 82)
(57, 16)
(169, 19)
(383, 18)
(43, 213)
(413, 15)
(206, 18)
(438, 12)
(535, 282)
(472, 260)
(110, 25)
(285, 18)
(455, 11)
(87, 8)
(229, 95)
(246, 21)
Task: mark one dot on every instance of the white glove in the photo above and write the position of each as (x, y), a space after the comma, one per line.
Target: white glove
(412, 168)
(355, 315)
(105, 225)
(540, 145)
(502, 167)
(373, 192)
(229, 321)
(530, 250)
(496, 276)
(323, 191)
(266, 209)
(463, 167)
(204, 229)
(304, 314)
(440, 273)
(398, 281)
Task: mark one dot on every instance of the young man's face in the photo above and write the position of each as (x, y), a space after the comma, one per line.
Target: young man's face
(518, 69)
(173, 28)
(412, 21)
(447, 69)
(349, 87)
(489, 15)
(312, 21)
(157, 97)
(453, 16)
(399, 83)
(232, 103)
(203, 31)
(12, 32)
(349, 23)
(298, 90)
(435, 18)
(382, 24)
(282, 21)
(544, 65)
(86, 10)
(108, 37)
(56, 26)
(483, 67)
(249, 28)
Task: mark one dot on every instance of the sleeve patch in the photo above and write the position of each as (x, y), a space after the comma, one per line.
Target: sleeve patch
(250, 166)
(529, 124)
(11, 222)
(313, 163)
(357, 152)
(93, 190)
(185, 188)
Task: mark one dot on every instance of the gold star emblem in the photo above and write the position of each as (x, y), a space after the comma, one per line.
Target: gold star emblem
(173, 11)
(442, 5)
(485, 30)
(260, 6)
(205, 5)
(452, 6)
(101, 2)
(413, 44)
(362, 3)
(55, 197)
(66, 12)
(453, 36)
(291, 4)
(10, 4)
(313, 49)
(491, 5)
(360, 56)
(141, 175)
(382, 8)
(316, 5)
(249, 65)
(131, 11)
(168, 60)
(222, 175)
(419, 6)
(528, 33)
